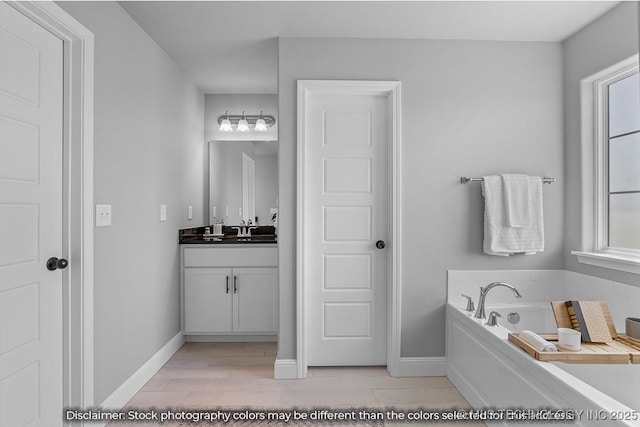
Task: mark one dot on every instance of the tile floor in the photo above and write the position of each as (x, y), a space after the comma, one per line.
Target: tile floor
(239, 376)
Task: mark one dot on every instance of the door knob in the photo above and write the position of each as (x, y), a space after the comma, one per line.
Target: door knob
(54, 263)
(380, 244)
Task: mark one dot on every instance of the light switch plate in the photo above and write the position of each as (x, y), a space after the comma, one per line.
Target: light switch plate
(103, 215)
(163, 212)
(190, 212)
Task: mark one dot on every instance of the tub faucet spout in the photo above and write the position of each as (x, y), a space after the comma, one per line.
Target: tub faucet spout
(483, 296)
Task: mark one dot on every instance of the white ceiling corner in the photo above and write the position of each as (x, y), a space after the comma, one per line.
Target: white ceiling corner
(231, 46)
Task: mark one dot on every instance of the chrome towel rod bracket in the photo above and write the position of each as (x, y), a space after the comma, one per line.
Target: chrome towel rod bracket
(467, 179)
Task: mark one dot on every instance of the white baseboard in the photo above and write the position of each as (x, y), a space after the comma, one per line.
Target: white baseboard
(423, 367)
(231, 338)
(131, 386)
(285, 369)
(470, 394)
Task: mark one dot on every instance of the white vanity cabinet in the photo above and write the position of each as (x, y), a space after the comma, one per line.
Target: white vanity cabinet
(229, 290)
(207, 300)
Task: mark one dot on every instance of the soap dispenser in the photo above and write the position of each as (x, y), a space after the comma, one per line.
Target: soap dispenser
(217, 226)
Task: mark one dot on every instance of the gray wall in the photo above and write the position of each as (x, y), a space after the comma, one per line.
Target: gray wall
(468, 109)
(608, 40)
(149, 150)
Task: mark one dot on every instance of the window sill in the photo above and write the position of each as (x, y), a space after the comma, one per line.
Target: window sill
(612, 260)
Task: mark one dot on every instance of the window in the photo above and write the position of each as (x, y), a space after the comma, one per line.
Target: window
(611, 168)
(623, 165)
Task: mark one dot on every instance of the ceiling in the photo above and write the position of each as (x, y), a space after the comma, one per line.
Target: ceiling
(231, 46)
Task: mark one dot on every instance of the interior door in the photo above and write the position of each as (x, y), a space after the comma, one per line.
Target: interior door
(31, 108)
(348, 209)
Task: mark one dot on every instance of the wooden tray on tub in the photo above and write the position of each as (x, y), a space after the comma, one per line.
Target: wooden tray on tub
(622, 350)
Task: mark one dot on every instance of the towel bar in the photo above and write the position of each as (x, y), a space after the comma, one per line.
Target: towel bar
(467, 179)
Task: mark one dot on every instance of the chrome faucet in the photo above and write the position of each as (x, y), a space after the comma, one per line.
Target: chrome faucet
(244, 230)
(483, 296)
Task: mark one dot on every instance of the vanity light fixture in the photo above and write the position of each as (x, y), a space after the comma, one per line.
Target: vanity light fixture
(261, 123)
(225, 123)
(243, 125)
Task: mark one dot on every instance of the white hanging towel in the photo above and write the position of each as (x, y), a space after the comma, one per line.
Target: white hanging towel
(502, 239)
(517, 200)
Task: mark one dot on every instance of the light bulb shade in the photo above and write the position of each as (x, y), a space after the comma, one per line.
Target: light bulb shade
(225, 126)
(261, 126)
(243, 126)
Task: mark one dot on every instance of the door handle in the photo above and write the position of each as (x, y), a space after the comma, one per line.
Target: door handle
(380, 244)
(235, 284)
(54, 263)
(227, 284)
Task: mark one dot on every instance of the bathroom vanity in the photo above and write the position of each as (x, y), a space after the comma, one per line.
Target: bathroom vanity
(229, 280)
(229, 289)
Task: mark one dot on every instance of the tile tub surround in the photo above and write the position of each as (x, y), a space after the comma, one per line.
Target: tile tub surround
(543, 286)
(240, 375)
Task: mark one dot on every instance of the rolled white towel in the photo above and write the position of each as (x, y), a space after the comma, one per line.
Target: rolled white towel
(537, 342)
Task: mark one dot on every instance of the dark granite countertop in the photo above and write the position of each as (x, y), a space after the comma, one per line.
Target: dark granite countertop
(262, 234)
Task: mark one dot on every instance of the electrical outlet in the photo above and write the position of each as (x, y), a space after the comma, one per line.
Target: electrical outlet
(163, 212)
(103, 215)
(190, 212)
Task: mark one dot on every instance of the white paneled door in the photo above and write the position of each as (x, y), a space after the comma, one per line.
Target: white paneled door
(31, 108)
(347, 212)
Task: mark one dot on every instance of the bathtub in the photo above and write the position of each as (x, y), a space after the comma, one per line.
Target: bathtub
(491, 372)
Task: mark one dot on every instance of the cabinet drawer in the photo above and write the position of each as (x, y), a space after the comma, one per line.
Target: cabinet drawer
(230, 256)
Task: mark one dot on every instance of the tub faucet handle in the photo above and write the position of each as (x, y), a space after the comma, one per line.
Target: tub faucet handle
(493, 318)
(470, 306)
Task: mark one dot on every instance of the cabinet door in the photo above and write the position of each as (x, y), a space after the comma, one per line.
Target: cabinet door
(207, 300)
(255, 300)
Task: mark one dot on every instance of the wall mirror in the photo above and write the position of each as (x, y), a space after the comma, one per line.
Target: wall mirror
(243, 181)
